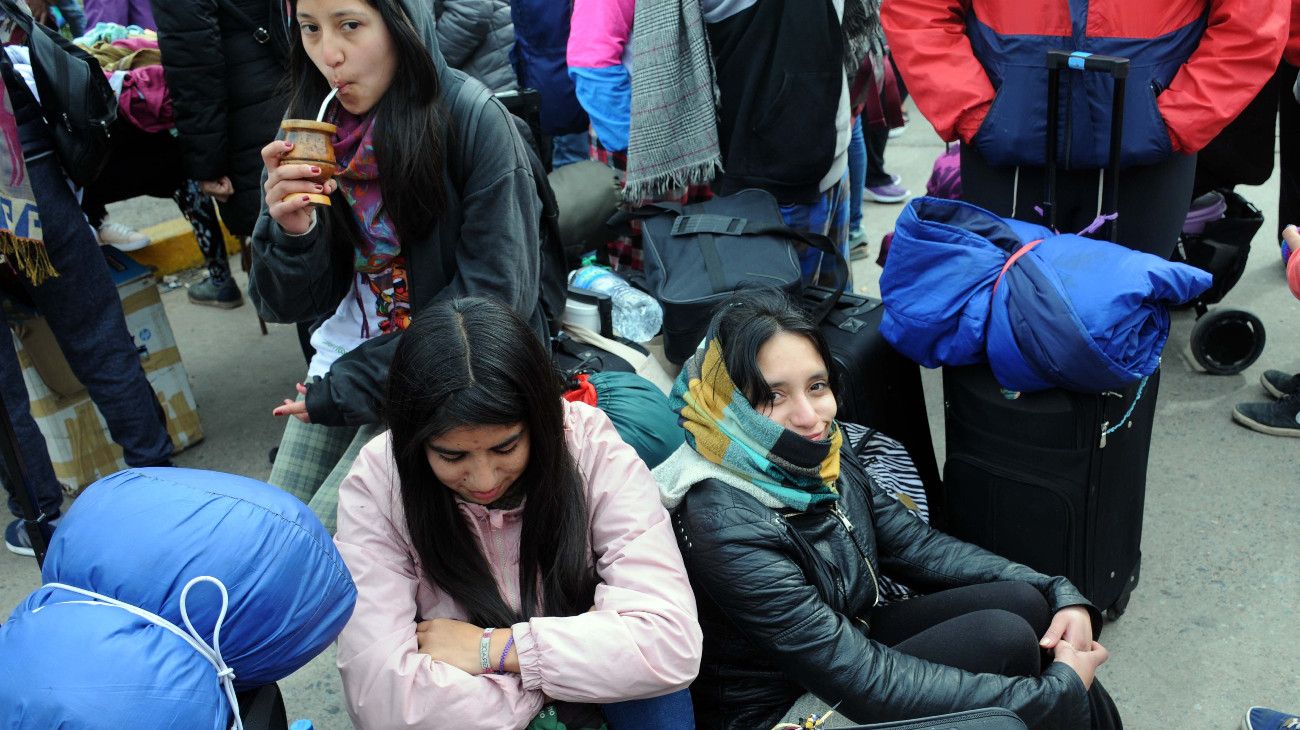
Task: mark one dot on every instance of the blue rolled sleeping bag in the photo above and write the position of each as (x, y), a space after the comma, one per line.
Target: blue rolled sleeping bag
(79, 665)
(140, 535)
(1069, 311)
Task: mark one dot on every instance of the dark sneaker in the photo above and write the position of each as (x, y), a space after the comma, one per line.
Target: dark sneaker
(1276, 418)
(1262, 718)
(209, 293)
(1280, 384)
(18, 542)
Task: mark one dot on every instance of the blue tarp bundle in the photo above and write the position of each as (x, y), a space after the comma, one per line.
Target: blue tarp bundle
(1071, 312)
(139, 536)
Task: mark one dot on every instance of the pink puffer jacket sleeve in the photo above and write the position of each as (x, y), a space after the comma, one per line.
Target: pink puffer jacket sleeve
(387, 682)
(641, 638)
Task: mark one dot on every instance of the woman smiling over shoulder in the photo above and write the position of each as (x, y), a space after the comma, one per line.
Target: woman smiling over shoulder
(509, 550)
(785, 536)
(435, 199)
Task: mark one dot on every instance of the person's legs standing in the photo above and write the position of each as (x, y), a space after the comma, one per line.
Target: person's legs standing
(307, 456)
(857, 183)
(325, 502)
(570, 148)
(827, 216)
(46, 491)
(1288, 189)
(1153, 199)
(219, 289)
(85, 314)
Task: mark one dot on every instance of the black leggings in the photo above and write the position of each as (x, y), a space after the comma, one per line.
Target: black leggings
(988, 628)
(991, 627)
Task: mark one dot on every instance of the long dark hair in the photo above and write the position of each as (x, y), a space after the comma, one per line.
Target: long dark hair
(472, 362)
(410, 127)
(746, 321)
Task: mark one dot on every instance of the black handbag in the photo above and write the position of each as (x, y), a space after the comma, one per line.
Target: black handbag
(697, 255)
(76, 100)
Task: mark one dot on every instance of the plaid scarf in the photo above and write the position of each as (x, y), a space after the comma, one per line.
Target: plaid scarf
(21, 241)
(673, 139)
(724, 428)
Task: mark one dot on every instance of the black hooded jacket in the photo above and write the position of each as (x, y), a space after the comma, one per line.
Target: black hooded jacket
(784, 601)
(226, 92)
(486, 243)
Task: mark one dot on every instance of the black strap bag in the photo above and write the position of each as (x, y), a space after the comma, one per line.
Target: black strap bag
(76, 100)
(696, 255)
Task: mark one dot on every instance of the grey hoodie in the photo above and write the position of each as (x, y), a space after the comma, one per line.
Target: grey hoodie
(485, 244)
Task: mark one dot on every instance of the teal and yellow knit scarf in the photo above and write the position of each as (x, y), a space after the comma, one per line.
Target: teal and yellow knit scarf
(724, 428)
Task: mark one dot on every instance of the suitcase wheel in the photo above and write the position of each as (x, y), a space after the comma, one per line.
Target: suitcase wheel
(1226, 342)
(1114, 612)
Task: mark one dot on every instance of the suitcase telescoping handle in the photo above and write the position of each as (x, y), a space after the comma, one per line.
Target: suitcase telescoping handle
(1058, 61)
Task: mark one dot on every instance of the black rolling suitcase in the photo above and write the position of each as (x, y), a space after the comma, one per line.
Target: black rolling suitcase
(878, 387)
(1055, 480)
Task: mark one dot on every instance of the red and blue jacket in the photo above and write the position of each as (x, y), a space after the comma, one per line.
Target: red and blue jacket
(976, 69)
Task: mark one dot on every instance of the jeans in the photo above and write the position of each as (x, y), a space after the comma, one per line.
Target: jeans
(670, 711)
(857, 174)
(570, 148)
(73, 16)
(829, 216)
(85, 314)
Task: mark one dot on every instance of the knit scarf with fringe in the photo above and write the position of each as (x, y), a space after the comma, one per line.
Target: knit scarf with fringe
(673, 138)
(21, 242)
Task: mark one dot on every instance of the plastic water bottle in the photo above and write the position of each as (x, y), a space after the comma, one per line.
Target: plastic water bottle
(637, 316)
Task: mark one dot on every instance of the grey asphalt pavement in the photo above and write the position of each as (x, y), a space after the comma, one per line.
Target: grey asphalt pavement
(1212, 626)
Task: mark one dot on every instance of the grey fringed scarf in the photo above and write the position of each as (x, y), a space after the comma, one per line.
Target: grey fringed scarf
(673, 138)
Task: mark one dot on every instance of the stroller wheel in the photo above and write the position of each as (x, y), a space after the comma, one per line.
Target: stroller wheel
(1225, 342)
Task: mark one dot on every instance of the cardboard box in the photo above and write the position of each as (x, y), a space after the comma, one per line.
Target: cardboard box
(80, 446)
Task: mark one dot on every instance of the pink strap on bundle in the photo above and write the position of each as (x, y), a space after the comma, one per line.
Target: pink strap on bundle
(1013, 258)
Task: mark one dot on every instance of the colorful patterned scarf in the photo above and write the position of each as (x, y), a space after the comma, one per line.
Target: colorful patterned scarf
(378, 254)
(21, 242)
(724, 428)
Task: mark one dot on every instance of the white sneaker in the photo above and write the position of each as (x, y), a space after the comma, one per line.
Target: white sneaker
(122, 237)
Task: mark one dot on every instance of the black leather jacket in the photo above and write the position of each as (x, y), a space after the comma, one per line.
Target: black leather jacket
(784, 601)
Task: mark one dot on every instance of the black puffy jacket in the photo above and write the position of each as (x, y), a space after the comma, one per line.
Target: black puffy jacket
(226, 92)
(784, 601)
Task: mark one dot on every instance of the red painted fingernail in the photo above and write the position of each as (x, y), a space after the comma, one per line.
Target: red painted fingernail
(320, 188)
(288, 145)
(315, 170)
(306, 198)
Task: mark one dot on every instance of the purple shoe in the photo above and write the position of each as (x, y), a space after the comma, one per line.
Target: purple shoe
(891, 193)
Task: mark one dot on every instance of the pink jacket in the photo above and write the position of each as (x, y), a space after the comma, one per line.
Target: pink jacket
(640, 639)
(1293, 274)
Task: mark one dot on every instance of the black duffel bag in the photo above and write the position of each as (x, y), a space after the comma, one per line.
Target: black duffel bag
(696, 255)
